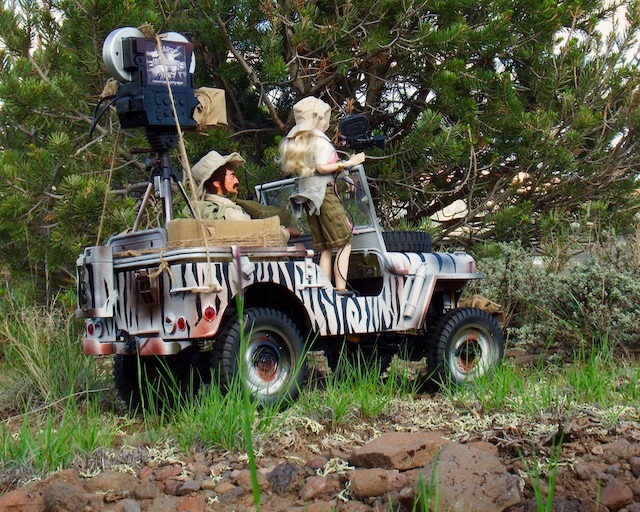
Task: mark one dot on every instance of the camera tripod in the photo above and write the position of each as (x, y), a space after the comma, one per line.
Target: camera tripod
(161, 177)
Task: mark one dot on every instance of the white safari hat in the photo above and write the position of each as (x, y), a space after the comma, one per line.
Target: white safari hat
(208, 164)
(307, 112)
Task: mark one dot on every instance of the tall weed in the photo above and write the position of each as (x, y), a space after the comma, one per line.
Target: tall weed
(358, 388)
(42, 356)
(215, 419)
(48, 440)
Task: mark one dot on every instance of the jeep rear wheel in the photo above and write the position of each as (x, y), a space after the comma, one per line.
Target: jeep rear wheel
(159, 381)
(466, 344)
(270, 348)
(132, 375)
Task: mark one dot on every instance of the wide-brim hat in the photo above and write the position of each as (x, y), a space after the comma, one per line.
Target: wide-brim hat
(209, 163)
(307, 113)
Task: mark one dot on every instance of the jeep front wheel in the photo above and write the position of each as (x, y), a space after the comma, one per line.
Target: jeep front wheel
(264, 352)
(466, 344)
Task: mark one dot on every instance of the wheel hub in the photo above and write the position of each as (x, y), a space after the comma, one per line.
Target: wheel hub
(265, 363)
(468, 353)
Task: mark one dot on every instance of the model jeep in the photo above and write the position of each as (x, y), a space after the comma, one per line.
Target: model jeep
(198, 300)
(181, 298)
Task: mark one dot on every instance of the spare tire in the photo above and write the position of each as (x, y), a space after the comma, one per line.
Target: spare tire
(407, 241)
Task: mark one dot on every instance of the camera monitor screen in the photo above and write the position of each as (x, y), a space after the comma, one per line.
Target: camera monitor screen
(173, 62)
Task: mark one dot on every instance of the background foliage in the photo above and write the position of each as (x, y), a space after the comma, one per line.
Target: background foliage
(526, 111)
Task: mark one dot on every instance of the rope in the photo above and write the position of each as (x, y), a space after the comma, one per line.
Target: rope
(161, 268)
(184, 159)
(106, 192)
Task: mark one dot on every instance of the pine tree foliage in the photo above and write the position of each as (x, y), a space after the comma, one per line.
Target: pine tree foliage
(522, 112)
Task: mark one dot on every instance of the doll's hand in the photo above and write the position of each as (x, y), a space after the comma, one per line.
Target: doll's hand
(356, 159)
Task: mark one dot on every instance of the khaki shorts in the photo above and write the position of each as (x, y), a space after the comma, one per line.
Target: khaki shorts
(332, 227)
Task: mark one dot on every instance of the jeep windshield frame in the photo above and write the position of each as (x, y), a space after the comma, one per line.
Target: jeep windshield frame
(355, 197)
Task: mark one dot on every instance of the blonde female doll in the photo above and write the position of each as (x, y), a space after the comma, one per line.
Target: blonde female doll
(307, 152)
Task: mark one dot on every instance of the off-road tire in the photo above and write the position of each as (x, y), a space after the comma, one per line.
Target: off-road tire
(271, 348)
(465, 344)
(407, 241)
(135, 379)
(159, 381)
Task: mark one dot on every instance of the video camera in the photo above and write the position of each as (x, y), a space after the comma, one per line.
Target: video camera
(143, 67)
(152, 88)
(356, 133)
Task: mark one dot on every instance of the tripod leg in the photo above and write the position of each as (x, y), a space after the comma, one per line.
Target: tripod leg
(184, 195)
(145, 200)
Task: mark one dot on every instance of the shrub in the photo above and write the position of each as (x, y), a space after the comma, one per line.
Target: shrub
(584, 303)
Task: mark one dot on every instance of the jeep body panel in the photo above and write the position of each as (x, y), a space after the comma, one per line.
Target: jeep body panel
(160, 298)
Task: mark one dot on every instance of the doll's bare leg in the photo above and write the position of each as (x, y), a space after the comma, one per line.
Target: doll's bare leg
(325, 261)
(341, 266)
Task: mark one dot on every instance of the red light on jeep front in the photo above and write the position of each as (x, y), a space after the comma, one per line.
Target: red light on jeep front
(209, 314)
(182, 323)
(90, 329)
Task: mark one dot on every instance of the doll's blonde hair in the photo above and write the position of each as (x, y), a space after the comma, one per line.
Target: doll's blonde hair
(297, 156)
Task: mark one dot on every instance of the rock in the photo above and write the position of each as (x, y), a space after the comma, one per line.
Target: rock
(172, 487)
(615, 495)
(68, 476)
(116, 495)
(317, 463)
(233, 495)
(602, 478)
(146, 491)
(208, 484)
(64, 497)
(470, 479)
(130, 506)
(318, 487)
(167, 472)
(366, 483)
(163, 504)
(574, 448)
(583, 471)
(243, 478)
(191, 504)
(110, 481)
(613, 470)
(20, 500)
(491, 449)
(224, 487)
(319, 506)
(285, 478)
(556, 506)
(199, 469)
(589, 505)
(619, 450)
(354, 506)
(634, 485)
(399, 450)
(145, 472)
(189, 487)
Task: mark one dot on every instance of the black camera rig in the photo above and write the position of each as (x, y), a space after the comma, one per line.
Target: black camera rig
(155, 91)
(156, 78)
(356, 133)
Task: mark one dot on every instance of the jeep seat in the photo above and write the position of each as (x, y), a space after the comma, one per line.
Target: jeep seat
(245, 233)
